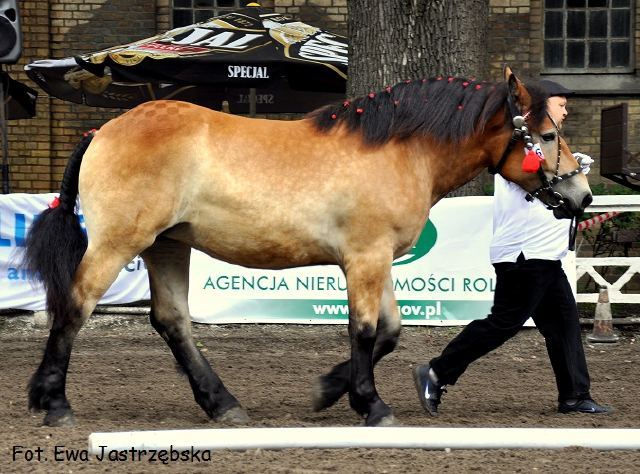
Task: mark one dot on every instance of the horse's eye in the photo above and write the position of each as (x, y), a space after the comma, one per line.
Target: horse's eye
(548, 137)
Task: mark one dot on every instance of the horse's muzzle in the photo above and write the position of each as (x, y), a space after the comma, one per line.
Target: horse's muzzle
(569, 209)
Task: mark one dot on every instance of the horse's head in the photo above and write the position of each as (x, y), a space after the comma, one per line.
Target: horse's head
(536, 157)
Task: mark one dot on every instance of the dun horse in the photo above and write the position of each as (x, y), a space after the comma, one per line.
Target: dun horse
(351, 184)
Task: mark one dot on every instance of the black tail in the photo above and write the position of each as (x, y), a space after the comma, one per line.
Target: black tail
(56, 243)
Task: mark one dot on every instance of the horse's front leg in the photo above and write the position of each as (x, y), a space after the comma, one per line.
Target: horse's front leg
(329, 388)
(366, 276)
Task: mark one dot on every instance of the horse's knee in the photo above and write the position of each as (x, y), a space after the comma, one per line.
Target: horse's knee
(363, 337)
(389, 323)
(387, 338)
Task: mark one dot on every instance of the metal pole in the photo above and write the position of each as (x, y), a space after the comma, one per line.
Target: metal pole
(252, 102)
(5, 139)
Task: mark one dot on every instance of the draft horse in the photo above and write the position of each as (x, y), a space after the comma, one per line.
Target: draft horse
(351, 184)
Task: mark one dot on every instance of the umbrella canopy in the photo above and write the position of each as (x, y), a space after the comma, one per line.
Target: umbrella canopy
(293, 67)
(20, 100)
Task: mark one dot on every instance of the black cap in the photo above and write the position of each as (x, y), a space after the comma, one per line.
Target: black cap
(553, 88)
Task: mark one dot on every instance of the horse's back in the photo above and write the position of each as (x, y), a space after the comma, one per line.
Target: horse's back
(161, 133)
(166, 163)
(257, 192)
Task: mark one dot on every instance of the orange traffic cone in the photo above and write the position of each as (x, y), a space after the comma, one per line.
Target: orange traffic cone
(602, 321)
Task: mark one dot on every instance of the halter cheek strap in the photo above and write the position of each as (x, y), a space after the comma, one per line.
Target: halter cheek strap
(520, 132)
(516, 136)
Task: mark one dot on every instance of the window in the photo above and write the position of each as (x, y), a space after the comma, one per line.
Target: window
(588, 36)
(186, 12)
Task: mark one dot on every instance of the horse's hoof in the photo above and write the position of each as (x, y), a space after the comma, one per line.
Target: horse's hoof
(236, 415)
(60, 419)
(388, 420)
(318, 401)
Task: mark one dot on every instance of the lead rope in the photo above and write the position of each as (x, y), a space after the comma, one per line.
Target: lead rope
(573, 231)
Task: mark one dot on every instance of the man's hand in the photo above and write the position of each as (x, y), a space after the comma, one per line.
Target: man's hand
(585, 162)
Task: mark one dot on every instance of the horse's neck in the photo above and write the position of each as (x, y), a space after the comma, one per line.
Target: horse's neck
(448, 167)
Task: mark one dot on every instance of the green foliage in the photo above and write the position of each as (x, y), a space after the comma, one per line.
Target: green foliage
(608, 230)
(605, 239)
(602, 189)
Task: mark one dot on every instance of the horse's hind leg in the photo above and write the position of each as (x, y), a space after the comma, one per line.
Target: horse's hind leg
(47, 389)
(329, 388)
(167, 262)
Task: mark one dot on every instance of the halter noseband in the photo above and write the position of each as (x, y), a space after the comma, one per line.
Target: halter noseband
(521, 132)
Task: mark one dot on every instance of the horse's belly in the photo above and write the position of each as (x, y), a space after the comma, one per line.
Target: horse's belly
(255, 246)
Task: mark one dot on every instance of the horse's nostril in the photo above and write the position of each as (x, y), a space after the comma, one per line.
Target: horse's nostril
(588, 199)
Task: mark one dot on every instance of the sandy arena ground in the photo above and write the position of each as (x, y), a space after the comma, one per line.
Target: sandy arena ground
(122, 377)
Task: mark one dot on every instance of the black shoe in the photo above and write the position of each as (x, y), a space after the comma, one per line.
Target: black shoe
(582, 406)
(429, 391)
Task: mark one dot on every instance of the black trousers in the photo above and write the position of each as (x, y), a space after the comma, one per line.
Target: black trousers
(536, 288)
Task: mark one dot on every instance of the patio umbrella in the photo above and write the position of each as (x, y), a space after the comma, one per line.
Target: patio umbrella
(292, 66)
(19, 100)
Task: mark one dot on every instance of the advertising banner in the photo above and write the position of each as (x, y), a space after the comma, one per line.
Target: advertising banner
(17, 290)
(446, 279)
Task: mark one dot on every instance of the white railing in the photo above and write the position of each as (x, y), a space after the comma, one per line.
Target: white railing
(589, 266)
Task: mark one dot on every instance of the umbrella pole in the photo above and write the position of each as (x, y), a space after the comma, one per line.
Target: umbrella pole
(5, 144)
(252, 102)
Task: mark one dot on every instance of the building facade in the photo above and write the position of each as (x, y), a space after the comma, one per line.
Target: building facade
(590, 46)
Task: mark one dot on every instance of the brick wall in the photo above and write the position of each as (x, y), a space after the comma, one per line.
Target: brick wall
(510, 39)
(330, 15)
(39, 148)
(516, 39)
(30, 140)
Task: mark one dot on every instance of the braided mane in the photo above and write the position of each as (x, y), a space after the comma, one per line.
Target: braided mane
(448, 110)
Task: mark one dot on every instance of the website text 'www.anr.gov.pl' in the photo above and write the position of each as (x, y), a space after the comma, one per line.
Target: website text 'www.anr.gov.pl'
(414, 311)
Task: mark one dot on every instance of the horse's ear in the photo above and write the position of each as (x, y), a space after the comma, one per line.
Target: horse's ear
(507, 72)
(517, 89)
(512, 81)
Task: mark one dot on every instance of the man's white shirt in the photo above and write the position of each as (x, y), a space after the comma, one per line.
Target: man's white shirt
(523, 226)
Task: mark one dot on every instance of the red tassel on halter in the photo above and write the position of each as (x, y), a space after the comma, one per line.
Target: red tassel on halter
(531, 162)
